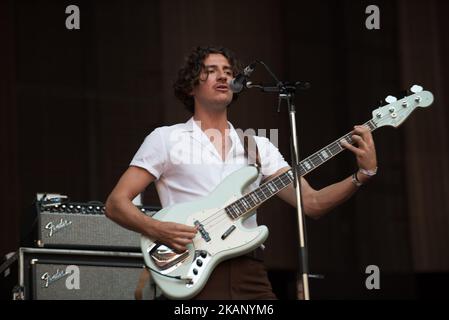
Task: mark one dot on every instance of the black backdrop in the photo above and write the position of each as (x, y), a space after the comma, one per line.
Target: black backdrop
(76, 104)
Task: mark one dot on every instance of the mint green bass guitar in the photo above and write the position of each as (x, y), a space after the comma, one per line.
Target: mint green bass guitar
(219, 216)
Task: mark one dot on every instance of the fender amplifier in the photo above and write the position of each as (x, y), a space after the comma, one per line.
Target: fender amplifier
(76, 225)
(61, 274)
(8, 275)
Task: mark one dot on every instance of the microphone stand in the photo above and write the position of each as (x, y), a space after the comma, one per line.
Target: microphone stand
(287, 92)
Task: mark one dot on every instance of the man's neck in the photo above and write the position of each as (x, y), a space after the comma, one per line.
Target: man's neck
(218, 120)
(212, 120)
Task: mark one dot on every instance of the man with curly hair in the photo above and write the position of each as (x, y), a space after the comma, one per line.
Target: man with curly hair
(188, 160)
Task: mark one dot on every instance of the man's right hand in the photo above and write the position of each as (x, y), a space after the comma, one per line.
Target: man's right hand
(175, 235)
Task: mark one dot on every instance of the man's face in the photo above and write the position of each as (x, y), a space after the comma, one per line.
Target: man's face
(213, 88)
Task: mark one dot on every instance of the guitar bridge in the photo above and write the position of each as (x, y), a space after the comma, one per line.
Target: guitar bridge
(165, 257)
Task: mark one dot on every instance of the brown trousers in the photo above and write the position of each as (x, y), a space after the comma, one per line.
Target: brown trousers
(241, 278)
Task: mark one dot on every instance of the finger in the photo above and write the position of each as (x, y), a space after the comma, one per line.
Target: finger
(364, 127)
(174, 246)
(177, 245)
(185, 228)
(365, 132)
(189, 235)
(350, 147)
(174, 232)
(362, 131)
(182, 241)
(179, 248)
(360, 142)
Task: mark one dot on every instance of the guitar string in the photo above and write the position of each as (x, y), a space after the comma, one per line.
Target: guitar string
(279, 180)
(224, 217)
(258, 191)
(312, 159)
(309, 159)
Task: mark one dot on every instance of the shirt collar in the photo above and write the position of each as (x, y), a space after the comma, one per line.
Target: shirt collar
(198, 134)
(191, 126)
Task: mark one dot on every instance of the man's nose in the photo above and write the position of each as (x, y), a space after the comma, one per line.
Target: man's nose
(222, 76)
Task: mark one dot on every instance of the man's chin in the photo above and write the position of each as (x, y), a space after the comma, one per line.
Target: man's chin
(221, 104)
(219, 107)
(217, 104)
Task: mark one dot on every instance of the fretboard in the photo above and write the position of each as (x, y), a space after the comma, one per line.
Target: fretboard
(255, 198)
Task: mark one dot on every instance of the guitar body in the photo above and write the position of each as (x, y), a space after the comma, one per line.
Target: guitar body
(211, 244)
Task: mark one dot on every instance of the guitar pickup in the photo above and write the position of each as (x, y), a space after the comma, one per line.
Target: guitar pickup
(228, 232)
(203, 232)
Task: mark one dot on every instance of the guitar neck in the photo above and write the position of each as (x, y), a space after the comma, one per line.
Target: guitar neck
(258, 196)
(328, 152)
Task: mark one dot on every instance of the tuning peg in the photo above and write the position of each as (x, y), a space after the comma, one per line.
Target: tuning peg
(416, 89)
(390, 99)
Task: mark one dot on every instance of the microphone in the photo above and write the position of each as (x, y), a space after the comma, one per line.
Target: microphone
(237, 83)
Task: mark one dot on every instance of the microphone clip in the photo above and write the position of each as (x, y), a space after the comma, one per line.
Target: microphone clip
(240, 81)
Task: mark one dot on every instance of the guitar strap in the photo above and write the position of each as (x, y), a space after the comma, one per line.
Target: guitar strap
(144, 280)
(251, 149)
(146, 287)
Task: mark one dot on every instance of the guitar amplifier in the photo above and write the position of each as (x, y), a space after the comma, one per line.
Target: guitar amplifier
(82, 226)
(61, 274)
(8, 275)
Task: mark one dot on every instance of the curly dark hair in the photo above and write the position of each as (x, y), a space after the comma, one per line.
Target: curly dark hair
(189, 73)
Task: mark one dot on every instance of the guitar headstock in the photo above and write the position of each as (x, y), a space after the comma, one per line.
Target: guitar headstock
(396, 111)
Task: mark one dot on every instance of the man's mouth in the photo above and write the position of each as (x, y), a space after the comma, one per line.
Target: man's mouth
(222, 87)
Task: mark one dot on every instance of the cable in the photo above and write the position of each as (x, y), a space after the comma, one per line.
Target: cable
(188, 279)
(278, 83)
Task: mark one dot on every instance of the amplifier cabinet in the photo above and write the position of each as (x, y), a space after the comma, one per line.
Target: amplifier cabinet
(8, 275)
(84, 226)
(57, 274)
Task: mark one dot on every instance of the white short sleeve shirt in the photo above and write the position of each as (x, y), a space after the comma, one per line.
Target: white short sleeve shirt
(187, 165)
